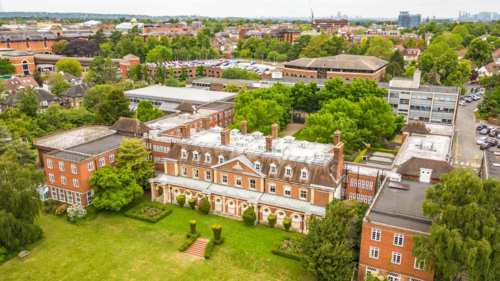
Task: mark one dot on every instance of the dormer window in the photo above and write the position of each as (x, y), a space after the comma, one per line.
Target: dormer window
(273, 169)
(196, 156)
(257, 166)
(221, 159)
(288, 172)
(304, 174)
(184, 154)
(208, 157)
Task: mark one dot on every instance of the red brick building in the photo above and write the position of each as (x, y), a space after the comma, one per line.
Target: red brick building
(331, 26)
(24, 41)
(24, 61)
(362, 182)
(286, 34)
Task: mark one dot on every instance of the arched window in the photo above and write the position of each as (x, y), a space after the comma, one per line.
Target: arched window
(26, 67)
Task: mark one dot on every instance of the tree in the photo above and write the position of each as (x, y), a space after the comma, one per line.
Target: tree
(28, 103)
(70, 66)
(94, 96)
(114, 188)
(132, 156)
(410, 70)
(396, 64)
(231, 88)
(461, 30)
(380, 47)
(314, 48)
(6, 67)
(152, 42)
(479, 52)
(22, 149)
(238, 73)
(112, 107)
(249, 216)
(200, 71)
(58, 83)
(304, 97)
(327, 249)
(464, 236)
(299, 44)
(147, 112)
(59, 47)
(102, 71)
(81, 48)
(20, 202)
(125, 47)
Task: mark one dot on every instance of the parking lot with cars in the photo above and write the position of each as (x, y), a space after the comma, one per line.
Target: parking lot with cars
(467, 150)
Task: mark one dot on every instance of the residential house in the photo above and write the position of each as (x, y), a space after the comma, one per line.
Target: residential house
(410, 55)
(70, 78)
(488, 70)
(45, 99)
(496, 56)
(484, 37)
(15, 84)
(73, 97)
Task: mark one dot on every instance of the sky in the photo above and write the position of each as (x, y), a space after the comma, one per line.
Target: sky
(259, 8)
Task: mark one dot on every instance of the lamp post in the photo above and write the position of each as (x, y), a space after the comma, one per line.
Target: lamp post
(303, 223)
(258, 214)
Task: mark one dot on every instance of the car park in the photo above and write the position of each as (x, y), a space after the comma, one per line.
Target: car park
(484, 146)
(483, 132)
(481, 127)
(462, 102)
(476, 97)
(481, 140)
(468, 99)
(493, 142)
(493, 133)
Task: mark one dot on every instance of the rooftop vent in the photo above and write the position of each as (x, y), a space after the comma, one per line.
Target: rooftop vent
(398, 185)
(318, 155)
(257, 135)
(289, 139)
(304, 144)
(427, 145)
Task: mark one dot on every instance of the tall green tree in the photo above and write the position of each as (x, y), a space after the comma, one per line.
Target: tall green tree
(479, 52)
(95, 95)
(70, 66)
(58, 83)
(114, 188)
(6, 67)
(327, 249)
(102, 71)
(147, 112)
(132, 156)
(28, 102)
(396, 64)
(112, 107)
(304, 97)
(465, 233)
(59, 47)
(380, 47)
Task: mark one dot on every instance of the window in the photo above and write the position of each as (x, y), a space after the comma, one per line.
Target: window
(184, 154)
(75, 183)
(419, 264)
(195, 173)
(196, 156)
(224, 179)
(70, 197)
(376, 234)
(396, 258)
(208, 158)
(288, 191)
(160, 148)
(91, 166)
(63, 180)
(78, 198)
(111, 158)
(272, 188)
(154, 147)
(216, 117)
(369, 270)
(398, 240)
(184, 171)
(49, 163)
(374, 252)
(237, 182)
(51, 177)
(61, 195)
(252, 183)
(73, 169)
(394, 277)
(90, 197)
(414, 279)
(352, 182)
(102, 162)
(257, 166)
(304, 174)
(273, 169)
(208, 175)
(303, 194)
(288, 172)
(54, 193)
(61, 166)
(221, 159)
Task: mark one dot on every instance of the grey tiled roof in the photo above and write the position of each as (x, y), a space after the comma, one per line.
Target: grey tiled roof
(23, 36)
(348, 62)
(41, 95)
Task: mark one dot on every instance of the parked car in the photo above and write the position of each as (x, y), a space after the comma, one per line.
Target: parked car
(481, 140)
(493, 142)
(476, 97)
(462, 102)
(490, 128)
(467, 99)
(483, 132)
(484, 146)
(481, 127)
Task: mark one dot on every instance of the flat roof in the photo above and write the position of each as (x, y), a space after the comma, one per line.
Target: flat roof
(423, 88)
(399, 204)
(348, 62)
(225, 81)
(73, 137)
(433, 147)
(218, 105)
(174, 94)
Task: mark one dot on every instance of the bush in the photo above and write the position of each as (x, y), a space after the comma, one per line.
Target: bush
(286, 224)
(192, 226)
(181, 200)
(76, 213)
(217, 229)
(3, 252)
(92, 212)
(192, 203)
(220, 241)
(249, 216)
(276, 249)
(360, 156)
(137, 212)
(61, 210)
(204, 206)
(189, 241)
(272, 220)
(372, 149)
(50, 206)
(208, 249)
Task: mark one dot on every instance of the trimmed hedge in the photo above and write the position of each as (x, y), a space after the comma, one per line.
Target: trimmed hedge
(217, 229)
(181, 200)
(192, 226)
(275, 250)
(286, 224)
(204, 206)
(208, 249)
(249, 216)
(360, 156)
(189, 241)
(220, 241)
(192, 203)
(167, 210)
(272, 220)
(372, 149)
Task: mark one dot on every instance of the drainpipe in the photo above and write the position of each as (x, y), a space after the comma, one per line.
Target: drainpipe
(258, 214)
(171, 195)
(303, 223)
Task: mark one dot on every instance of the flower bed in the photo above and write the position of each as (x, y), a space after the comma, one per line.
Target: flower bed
(288, 247)
(149, 212)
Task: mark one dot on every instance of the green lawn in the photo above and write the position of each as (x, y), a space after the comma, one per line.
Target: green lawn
(298, 135)
(114, 247)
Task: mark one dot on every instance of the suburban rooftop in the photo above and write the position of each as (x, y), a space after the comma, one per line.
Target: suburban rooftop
(433, 147)
(73, 137)
(196, 96)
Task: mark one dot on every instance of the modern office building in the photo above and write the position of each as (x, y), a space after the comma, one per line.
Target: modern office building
(408, 20)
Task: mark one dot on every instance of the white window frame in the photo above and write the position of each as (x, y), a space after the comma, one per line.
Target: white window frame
(51, 178)
(53, 192)
(370, 269)
(70, 196)
(196, 173)
(376, 234)
(78, 198)
(304, 174)
(75, 183)
(301, 192)
(102, 162)
(196, 156)
(63, 180)
(374, 252)
(91, 166)
(393, 277)
(398, 240)
(61, 166)
(223, 178)
(273, 169)
(416, 265)
(272, 186)
(221, 159)
(396, 258)
(237, 182)
(73, 169)
(257, 166)
(208, 157)
(252, 185)
(90, 197)
(49, 164)
(184, 154)
(62, 196)
(287, 189)
(184, 171)
(111, 158)
(208, 175)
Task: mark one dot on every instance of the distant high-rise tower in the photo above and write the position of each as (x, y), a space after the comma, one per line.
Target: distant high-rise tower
(409, 21)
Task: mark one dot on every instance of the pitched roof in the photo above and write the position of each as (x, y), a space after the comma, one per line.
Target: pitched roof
(461, 53)
(130, 125)
(186, 106)
(417, 127)
(41, 95)
(131, 57)
(491, 67)
(496, 54)
(349, 62)
(413, 165)
(77, 90)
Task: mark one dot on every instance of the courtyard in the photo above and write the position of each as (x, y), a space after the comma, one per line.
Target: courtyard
(114, 247)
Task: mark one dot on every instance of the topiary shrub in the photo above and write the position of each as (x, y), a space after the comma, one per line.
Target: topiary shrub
(192, 226)
(208, 249)
(181, 200)
(272, 220)
(217, 229)
(249, 216)
(192, 203)
(204, 206)
(286, 224)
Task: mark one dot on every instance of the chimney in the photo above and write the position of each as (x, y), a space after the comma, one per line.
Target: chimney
(186, 131)
(244, 124)
(338, 151)
(206, 123)
(225, 137)
(274, 130)
(269, 143)
(336, 137)
(416, 79)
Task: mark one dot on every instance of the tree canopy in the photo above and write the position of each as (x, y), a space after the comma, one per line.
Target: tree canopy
(147, 112)
(112, 107)
(238, 73)
(479, 52)
(132, 155)
(28, 102)
(95, 95)
(70, 66)
(6, 67)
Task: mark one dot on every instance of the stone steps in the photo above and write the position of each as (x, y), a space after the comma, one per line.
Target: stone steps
(197, 249)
